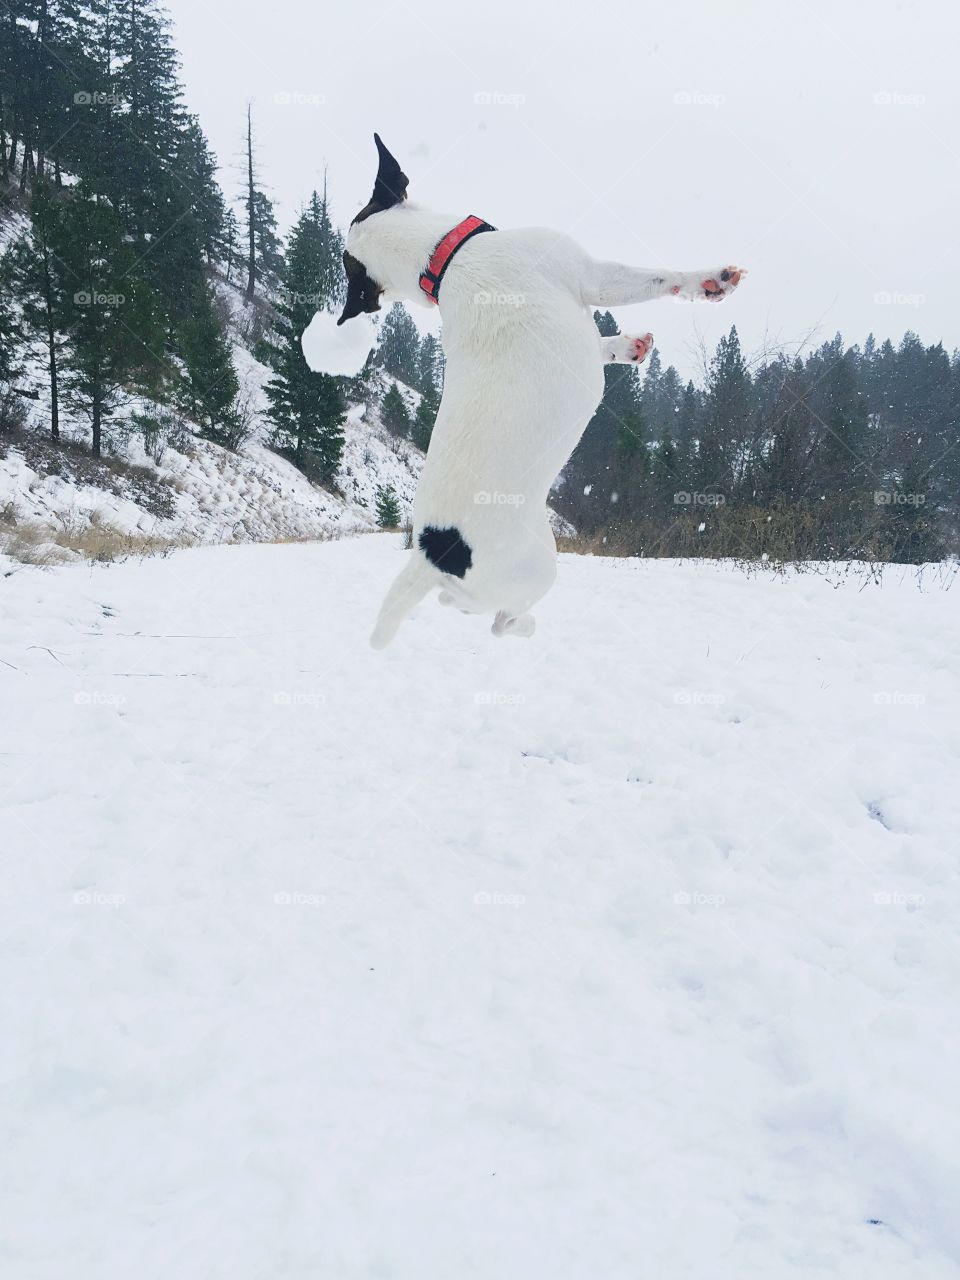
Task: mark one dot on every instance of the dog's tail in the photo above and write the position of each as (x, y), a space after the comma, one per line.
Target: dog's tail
(409, 587)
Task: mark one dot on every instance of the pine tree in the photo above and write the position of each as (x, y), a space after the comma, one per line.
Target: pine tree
(399, 345)
(688, 417)
(388, 508)
(431, 367)
(307, 407)
(728, 417)
(394, 412)
(425, 419)
(228, 249)
(609, 448)
(110, 313)
(10, 336)
(35, 277)
(840, 463)
(209, 386)
(264, 258)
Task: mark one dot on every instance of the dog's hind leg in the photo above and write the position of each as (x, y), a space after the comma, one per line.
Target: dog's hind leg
(409, 587)
(613, 284)
(452, 599)
(626, 348)
(505, 624)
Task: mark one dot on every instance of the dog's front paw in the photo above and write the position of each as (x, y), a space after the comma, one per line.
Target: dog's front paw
(709, 286)
(626, 348)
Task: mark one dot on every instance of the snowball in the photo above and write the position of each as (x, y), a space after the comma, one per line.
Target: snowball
(338, 349)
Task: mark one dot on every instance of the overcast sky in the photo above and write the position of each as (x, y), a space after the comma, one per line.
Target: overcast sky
(814, 143)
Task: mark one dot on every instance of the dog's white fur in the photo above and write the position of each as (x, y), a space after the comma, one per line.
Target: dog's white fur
(524, 374)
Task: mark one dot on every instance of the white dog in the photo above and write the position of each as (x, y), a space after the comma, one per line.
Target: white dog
(524, 374)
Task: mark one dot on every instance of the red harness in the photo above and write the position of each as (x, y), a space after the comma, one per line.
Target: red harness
(441, 257)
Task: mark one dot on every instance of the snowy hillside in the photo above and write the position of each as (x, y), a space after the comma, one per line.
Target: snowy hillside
(627, 951)
(189, 490)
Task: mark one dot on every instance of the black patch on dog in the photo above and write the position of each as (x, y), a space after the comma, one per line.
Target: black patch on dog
(363, 292)
(390, 187)
(446, 549)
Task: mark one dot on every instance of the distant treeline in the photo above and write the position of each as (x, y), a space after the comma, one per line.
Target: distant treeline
(848, 452)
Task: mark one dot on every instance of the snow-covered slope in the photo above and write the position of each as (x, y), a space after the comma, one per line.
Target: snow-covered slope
(201, 493)
(627, 951)
(196, 492)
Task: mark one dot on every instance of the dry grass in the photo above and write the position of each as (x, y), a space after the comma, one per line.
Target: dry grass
(39, 544)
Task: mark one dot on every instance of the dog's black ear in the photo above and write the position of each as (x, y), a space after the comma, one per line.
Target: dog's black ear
(390, 187)
(363, 292)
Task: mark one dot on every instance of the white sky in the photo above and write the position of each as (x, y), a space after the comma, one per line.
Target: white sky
(818, 143)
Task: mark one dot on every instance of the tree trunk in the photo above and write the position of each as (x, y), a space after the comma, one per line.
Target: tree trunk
(26, 165)
(252, 252)
(95, 419)
(51, 348)
(3, 142)
(40, 85)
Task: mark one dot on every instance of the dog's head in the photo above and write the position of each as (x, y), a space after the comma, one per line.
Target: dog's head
(389, 190)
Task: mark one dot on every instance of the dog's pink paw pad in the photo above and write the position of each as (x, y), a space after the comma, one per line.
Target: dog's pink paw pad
(719, 287)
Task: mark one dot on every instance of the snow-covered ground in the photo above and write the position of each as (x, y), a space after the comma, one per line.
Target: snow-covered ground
(627, 951)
